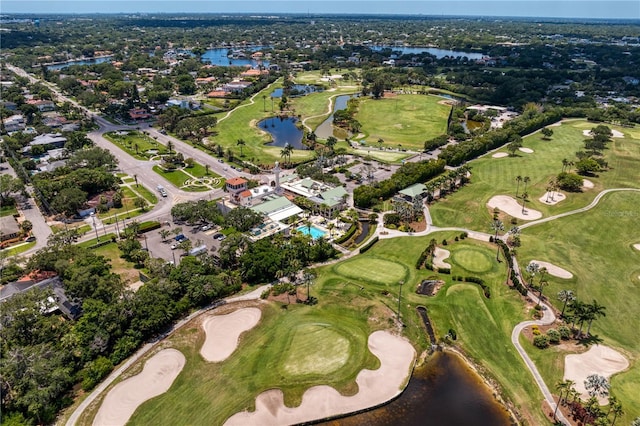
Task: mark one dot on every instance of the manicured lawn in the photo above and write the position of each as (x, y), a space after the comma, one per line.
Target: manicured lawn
(381, 155)
(406, 120)
(94, 241)
(21, 248)
(241, 124)
(316, 104)
(279, 352)
(8, 211)
(176, 177)
(597, 247)
(146, 194)
(497, 176)
(135, 139)
(473, 260)
(301, 346)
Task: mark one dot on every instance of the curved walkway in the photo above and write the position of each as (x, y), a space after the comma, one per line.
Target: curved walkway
(328, 113)
(548, 317)
(251, 102)
(580, 210)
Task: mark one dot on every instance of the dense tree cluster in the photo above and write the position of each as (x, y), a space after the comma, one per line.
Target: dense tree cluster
(365, 196)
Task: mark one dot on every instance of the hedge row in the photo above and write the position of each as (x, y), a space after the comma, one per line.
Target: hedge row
(426, 254)
(148, 226)
(369, 244)
(514, 277)
(481, 283)
(348, 234)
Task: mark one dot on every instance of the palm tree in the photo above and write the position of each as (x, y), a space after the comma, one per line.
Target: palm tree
(241, 143)
(264, 102)
(565, 296)
(497, 225)
(563, 386)
(617, 411)
(286, 152)
(169, 146)
(526, 180)
(532, 269)
(308, 278)
(330, 227)
(595, 310)
(565, 164)
(541, 284)
(597, 385)
(524, 201)
(164, 233)
(518, 180)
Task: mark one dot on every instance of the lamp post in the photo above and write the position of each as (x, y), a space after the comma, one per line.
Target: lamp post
(93, 218)
(399, 298)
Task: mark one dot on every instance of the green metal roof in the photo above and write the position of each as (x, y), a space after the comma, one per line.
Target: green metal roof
(414, 190)
(272, 206)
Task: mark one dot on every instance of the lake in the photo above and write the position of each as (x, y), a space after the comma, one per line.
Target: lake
(325, 129)
(444, 392)
(91, 61)
(283, 130)
(219, 57)
(438, 53)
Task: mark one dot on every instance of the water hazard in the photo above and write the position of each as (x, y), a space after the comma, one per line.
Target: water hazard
(224, 57)
(284, 131)
(325, 129)
(445, 392)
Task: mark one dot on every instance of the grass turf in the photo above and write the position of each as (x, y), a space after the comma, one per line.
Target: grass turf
(597, 246)
(497, 176)
(132, 139)
(406, 120)
(301, 346)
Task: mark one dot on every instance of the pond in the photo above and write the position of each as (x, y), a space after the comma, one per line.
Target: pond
(239, 57)
(284, 131)
(325, 129)
(296, 90)
(91, 61)
(443, 392)
(438, 53)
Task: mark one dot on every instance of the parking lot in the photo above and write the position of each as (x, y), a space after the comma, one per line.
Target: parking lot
(162, 249)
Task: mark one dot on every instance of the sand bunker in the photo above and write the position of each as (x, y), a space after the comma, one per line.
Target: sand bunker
(586, 183)
(600, 360)
(156, 378)
(615, 133)
(511, 207)
(439, 255)
(500, 155)
(223, 332)
(552, 198)
(526, 150)
(554, 270)
(374, 387)
(636, 246)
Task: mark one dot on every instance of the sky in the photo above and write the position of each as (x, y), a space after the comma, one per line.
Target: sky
(581, 9)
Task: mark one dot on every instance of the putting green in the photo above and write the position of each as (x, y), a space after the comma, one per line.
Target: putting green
(376, 270)
(315, 348)
(472, 260)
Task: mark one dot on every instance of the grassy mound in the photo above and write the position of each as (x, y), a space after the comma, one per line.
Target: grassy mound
(473, 260)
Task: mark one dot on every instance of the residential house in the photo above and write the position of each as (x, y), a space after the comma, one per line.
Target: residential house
(42, 105)
(14, 123)
(9, 228)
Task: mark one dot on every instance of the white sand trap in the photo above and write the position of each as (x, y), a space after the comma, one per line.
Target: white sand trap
(156, 378)
(526, 150)
(554, 270)
(586, 183)
(510, 206)
(600, 360)
(223, 332)
(636, 246)
(500, 155)
(439, 255)
(552, 198)
(614, 133)
(374, 387)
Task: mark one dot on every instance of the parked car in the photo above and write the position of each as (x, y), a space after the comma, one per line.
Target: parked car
(180, 238)
(174, 246)
(205, 227)
(30, 239)
(219, 236)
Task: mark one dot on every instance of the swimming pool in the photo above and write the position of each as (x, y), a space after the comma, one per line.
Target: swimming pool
(313, 231)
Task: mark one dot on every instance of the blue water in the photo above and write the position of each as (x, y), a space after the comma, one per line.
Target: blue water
(81, 62)
(315, 232)
(283, 130)
(325, 129)
(438, 53)
(219, 57)
(301, 89)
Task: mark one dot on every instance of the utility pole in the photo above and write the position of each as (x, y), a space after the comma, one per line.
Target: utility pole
(93, 218)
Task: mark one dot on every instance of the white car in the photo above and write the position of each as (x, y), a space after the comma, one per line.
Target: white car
(174, 246)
